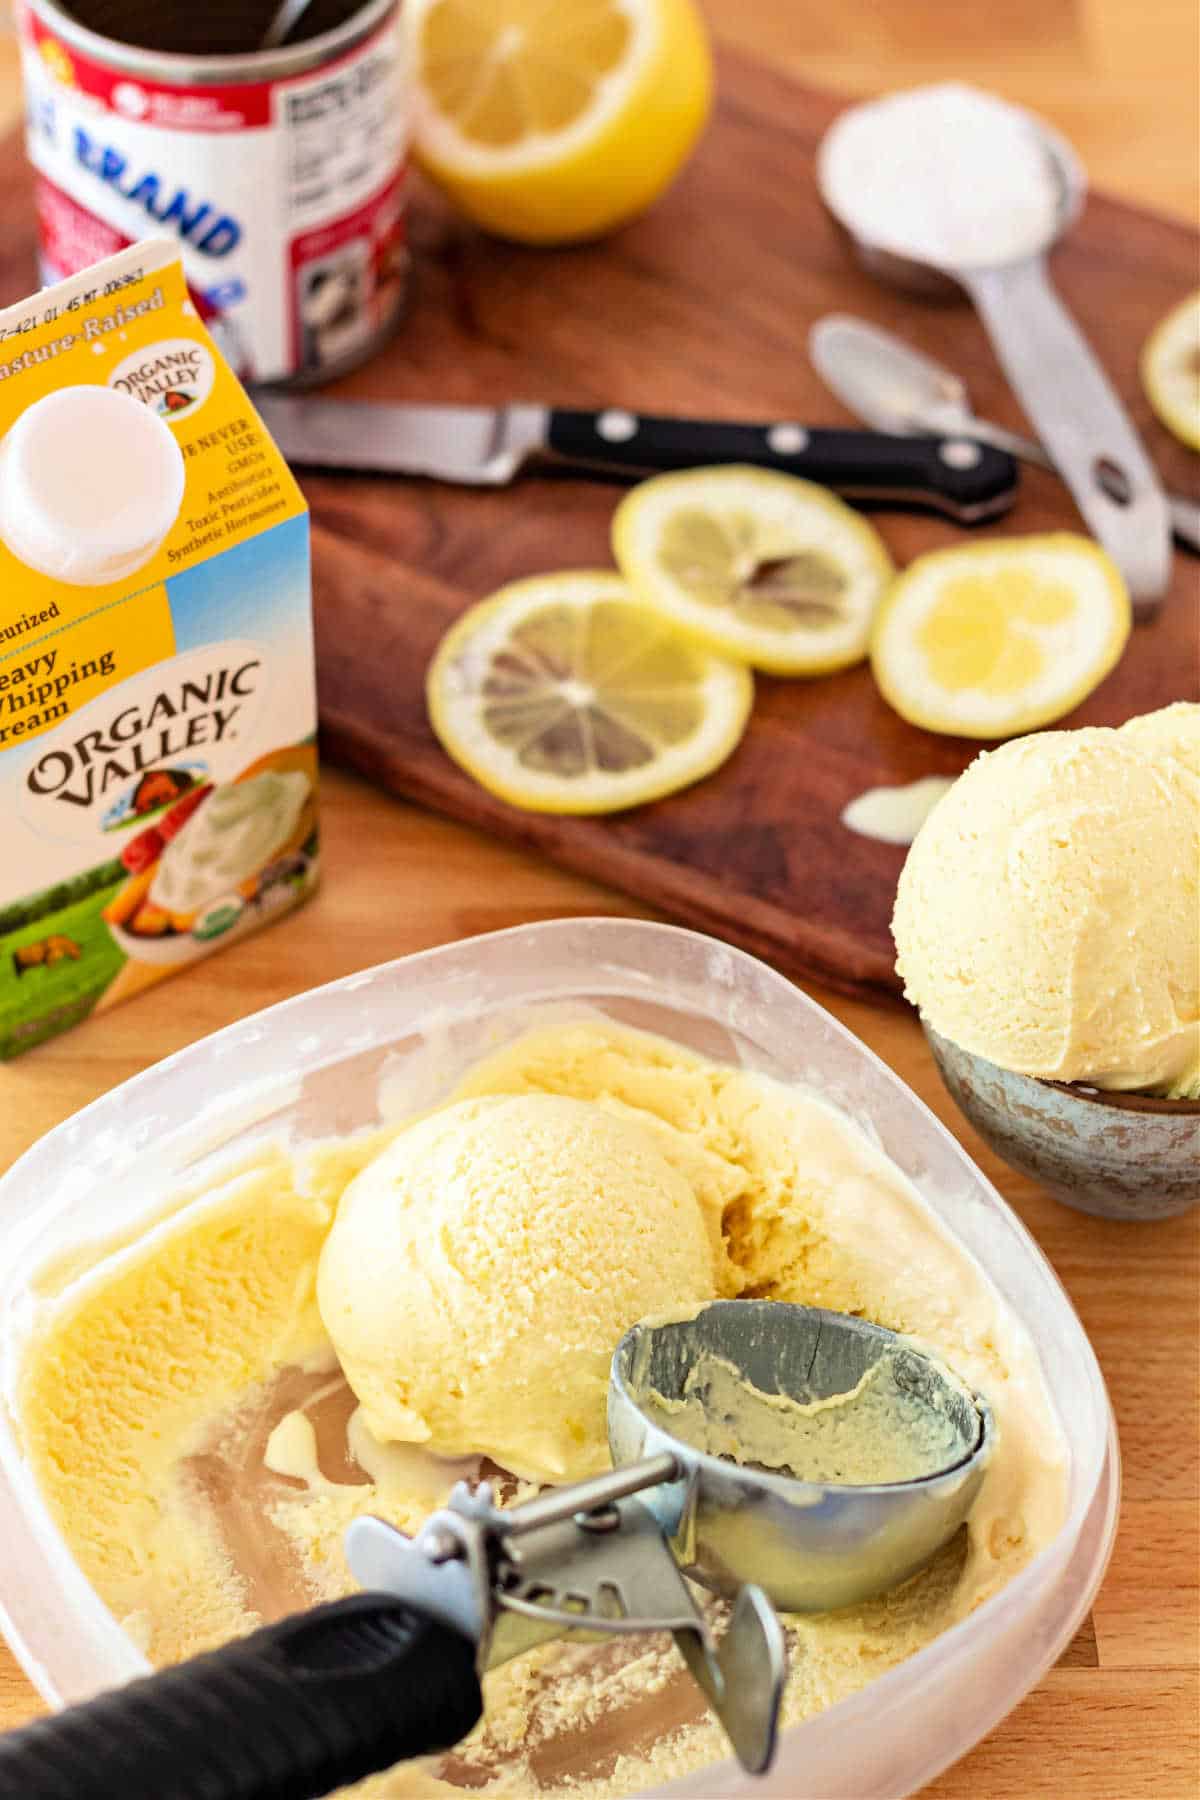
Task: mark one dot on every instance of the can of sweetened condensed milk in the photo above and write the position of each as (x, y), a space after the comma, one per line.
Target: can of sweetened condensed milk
(281, 172)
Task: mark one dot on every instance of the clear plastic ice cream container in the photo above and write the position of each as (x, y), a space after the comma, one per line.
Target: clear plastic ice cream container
(321, 1063)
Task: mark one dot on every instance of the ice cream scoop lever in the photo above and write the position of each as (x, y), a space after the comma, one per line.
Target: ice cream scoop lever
(325, 1697)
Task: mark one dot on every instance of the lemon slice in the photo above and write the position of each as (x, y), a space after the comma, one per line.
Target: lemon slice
(765, 567)
(563, 694)
(1170, 367)
(554, 120)
(998, 638)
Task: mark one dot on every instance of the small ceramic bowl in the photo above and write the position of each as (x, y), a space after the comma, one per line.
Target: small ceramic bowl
(1121, 1156)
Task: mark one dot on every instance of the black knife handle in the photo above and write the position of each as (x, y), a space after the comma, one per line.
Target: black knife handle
(967, 480)
(297, 1709)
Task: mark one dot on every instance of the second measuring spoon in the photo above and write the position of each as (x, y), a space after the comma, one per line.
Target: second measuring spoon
(1052, 368)
(897, 389)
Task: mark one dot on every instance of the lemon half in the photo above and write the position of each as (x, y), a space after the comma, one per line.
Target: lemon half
(551, 121)
(765, 567)
(989, 640)
(1170, 368)
(563, 694)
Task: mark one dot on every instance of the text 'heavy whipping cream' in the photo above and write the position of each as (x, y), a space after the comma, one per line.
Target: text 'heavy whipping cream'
(157, 698)
(279, 174)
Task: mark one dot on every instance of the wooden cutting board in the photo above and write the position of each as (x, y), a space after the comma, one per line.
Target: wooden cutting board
(703, 306)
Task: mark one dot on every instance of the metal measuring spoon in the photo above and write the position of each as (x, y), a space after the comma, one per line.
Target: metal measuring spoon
(324, 1697)
(897, 389)
(1052, 368)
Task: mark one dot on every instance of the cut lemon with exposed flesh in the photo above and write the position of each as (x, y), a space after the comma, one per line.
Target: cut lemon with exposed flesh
(563, 694)
(1170, 368)
(998, 638)
(551, 121)
(765, 567)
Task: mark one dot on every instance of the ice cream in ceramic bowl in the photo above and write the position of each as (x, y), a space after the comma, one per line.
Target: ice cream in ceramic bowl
(1047, 928)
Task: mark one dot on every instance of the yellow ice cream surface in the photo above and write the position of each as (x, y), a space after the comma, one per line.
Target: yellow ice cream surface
(875, 1432)
(1048, 914)
(134, 1364)
(482, 1270)
(1172, 731)
(128, 1362)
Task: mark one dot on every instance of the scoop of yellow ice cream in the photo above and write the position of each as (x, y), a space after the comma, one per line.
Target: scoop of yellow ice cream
(1047, 916)
(1171, 731)
(481, 1271)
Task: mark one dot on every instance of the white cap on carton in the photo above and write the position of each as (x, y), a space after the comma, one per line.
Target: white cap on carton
(91, 481)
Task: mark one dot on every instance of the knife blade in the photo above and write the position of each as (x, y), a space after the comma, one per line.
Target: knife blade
(488, 446)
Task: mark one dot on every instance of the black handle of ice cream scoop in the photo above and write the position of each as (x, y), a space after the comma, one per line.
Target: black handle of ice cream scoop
(297, 1709)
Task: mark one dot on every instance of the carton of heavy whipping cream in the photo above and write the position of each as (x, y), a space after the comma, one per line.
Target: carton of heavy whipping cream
(157, 700)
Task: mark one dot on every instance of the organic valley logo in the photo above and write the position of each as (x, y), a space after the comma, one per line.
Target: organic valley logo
(172, 377)
(194, 710)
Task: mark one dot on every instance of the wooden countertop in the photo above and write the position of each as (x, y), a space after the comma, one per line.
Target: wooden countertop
(1117, 1719)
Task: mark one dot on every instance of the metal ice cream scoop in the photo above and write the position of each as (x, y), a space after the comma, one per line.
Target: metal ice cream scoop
(1056, 376)
(325, 1697)
(813, 1543)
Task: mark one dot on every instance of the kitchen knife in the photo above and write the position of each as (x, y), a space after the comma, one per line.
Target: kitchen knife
(489, 445)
